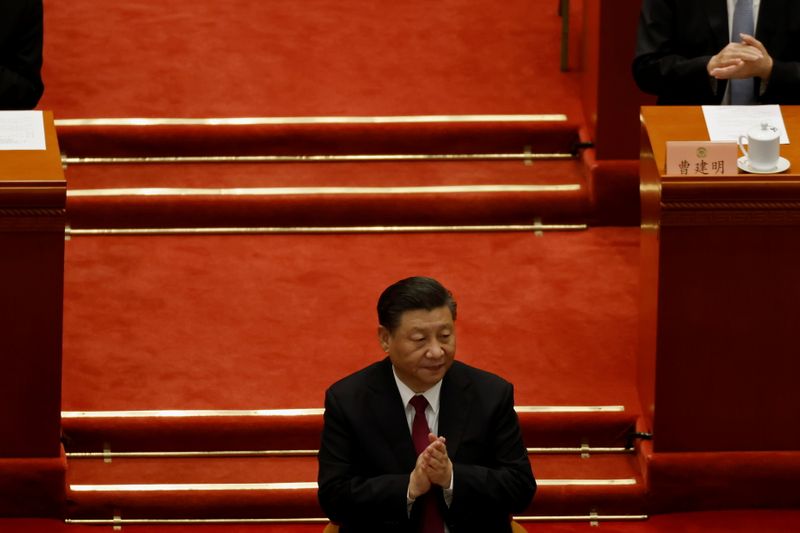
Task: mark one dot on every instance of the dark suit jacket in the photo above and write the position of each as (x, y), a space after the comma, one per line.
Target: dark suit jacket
(367, 453)
(20, 53)
(676, 39)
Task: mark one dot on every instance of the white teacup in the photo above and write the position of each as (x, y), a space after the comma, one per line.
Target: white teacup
(765, 147)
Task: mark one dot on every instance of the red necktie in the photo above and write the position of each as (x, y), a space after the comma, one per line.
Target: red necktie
(432, 521)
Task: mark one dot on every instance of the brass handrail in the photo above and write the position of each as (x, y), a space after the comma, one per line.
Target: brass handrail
(316, 158)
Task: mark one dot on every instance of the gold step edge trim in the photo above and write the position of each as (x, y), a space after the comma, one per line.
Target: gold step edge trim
(190, 454)
(352, 119)
(303, 485)
(194, 487)
(588, 450)
(581, 518)
(586, 482)
(285, 230)
(211, 521)
(569, 408)
(191, 413)
(317, 191)
(313, 158)
(188, 521)
(309, 453)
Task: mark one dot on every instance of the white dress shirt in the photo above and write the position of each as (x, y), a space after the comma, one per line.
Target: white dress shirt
(431, 416)
(431, 412)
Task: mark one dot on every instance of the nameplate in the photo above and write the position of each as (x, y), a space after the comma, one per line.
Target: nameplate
(701, 158)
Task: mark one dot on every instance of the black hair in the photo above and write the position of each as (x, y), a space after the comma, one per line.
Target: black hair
(409, 294)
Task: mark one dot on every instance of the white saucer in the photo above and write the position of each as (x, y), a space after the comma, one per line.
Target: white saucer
(783, 165)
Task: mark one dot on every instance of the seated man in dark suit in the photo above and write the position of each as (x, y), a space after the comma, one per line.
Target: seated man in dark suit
(20, 54)
(689, 52)
(418, 441)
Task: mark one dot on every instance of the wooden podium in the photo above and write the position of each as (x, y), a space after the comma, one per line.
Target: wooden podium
(32, 201)
(720, 288)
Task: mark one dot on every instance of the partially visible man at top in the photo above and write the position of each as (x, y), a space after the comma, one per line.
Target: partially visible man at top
(418, 442)
(20, 54)
(697, 52)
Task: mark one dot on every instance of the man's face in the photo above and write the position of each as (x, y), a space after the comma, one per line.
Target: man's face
(422, 347)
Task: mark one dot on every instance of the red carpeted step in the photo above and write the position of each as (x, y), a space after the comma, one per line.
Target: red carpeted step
(490, 205)
(28, 525)
(31, 486)
(602, 426)
(576, 485)
(742, 521)
(697, 481)
(390, 174)
(285, 487)
(562, 198)
(415, 192)
(311, 136)
(277, 430)
(325, 194)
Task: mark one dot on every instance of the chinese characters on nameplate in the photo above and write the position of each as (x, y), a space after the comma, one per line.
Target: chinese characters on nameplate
(701, 158)
(21, 130)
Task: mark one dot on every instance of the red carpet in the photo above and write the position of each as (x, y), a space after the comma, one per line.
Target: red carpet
(267, 322)
(161, 323)
(317, 57)
(709, 522)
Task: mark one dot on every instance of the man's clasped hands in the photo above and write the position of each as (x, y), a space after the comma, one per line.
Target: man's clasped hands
(433, 468)
(745, 59)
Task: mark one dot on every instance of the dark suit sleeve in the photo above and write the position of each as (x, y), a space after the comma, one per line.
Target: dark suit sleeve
(779, 30)
(21, 54)
(504, 483)
(347, 493)
(667, 64)
(784, 83)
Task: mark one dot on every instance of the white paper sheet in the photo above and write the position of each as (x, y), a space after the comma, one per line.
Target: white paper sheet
(727, 122)
(21, 130)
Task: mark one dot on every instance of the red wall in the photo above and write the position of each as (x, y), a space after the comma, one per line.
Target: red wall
(611, 99)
